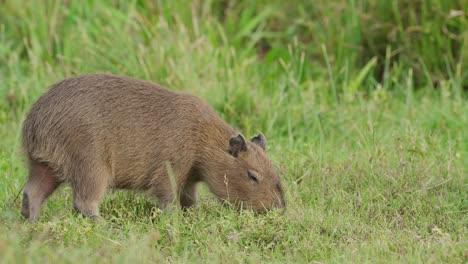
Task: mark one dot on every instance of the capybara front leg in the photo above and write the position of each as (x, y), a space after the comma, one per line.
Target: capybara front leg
(189, 195)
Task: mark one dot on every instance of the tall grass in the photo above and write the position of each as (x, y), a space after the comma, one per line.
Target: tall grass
(363, 104)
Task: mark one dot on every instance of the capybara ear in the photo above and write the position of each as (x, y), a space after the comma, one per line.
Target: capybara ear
(259, 140)
(236, 145)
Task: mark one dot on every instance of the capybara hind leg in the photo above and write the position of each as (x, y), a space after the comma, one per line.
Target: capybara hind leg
(42, 181)
(88, 192)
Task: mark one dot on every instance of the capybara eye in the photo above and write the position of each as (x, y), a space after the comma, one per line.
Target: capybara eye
(252, 176)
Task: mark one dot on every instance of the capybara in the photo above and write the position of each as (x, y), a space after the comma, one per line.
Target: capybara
(100, 131)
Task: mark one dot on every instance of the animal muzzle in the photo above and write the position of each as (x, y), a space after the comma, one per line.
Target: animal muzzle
(279, 202)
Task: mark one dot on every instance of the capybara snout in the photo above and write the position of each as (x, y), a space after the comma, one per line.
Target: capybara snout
(101, 131)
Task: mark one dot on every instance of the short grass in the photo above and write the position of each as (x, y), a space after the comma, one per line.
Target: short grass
(373, 150)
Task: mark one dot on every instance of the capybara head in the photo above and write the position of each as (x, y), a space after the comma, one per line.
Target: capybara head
(251, 180)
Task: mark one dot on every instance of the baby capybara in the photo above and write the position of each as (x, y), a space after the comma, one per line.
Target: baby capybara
(98, 131)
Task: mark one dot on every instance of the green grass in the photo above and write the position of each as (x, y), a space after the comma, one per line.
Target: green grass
(367, 124)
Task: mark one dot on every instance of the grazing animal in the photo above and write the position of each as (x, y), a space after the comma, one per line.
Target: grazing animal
(101, 131)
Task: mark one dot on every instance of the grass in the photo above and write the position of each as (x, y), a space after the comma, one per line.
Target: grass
(367, 128)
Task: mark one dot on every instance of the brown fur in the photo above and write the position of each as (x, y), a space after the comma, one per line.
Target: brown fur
(99, 131)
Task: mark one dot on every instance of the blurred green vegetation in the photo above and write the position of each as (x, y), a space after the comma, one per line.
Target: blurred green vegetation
(425, 36)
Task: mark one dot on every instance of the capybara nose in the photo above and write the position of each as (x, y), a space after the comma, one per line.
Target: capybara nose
(279, 202)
